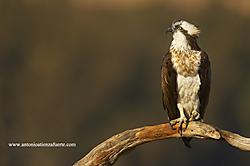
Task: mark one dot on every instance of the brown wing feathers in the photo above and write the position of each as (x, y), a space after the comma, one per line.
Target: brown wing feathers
(205, 76)
(168, 84)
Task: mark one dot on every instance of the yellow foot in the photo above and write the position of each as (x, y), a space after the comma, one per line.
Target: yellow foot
(180, 120)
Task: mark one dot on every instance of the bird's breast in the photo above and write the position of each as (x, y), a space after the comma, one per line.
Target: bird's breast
(186, 62)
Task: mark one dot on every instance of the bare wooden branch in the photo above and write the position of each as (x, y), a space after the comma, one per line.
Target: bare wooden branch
(108, 152)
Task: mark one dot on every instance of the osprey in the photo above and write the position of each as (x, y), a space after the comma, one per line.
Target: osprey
(185, 77)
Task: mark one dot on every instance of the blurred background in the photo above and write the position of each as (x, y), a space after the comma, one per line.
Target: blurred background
(83, 70)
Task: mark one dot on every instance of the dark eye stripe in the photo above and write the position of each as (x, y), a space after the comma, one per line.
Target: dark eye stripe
(177, 26)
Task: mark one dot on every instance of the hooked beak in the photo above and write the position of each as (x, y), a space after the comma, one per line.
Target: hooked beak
(170, 29)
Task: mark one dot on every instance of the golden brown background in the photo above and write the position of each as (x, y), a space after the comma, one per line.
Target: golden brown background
(83, 70)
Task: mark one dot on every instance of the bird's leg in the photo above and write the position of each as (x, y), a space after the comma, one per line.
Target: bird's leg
(181, 120)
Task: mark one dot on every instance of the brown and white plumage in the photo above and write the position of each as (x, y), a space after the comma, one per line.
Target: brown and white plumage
(185, 76)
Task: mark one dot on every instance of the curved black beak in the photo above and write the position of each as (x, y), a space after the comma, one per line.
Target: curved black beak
(170, 29)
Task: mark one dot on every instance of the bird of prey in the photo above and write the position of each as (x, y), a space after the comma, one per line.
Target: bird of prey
(185, 77)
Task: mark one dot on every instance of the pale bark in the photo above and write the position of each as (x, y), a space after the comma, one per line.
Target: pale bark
(106, 153)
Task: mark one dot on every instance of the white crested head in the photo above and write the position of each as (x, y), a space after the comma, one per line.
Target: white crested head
(185, 35)
(182, 25)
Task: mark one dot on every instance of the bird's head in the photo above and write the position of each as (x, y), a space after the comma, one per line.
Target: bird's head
(184, 33)
(184, 27)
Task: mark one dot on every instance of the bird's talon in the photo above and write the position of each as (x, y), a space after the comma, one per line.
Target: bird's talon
(171, 127)
(186, 123)
(195, 116)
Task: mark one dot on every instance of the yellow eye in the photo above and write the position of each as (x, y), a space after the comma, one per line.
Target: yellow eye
(180, 28)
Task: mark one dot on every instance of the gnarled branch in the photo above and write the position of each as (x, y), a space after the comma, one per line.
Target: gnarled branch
(108, 152)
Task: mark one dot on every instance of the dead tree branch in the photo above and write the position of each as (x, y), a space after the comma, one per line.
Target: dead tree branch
(108, 152)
